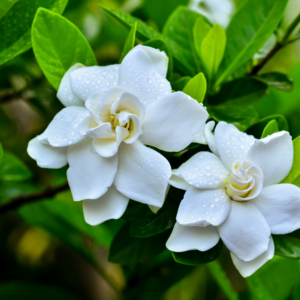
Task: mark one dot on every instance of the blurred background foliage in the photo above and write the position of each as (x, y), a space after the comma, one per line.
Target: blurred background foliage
(47, 250)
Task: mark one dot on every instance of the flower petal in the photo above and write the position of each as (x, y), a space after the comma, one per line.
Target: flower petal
(247, 268)
(143, 174)
(280, 206)
(171, 123)
(203, 207)
(178, 182)
(232, 144)
(65, 93)
(89, 174)
(210, 137)
(141, 75)
(89, 80)
(185, 238)
(111, 205)
(204, 170)
(47, 156)
(134, 131)
(274, 155)
(64, 129)
(200, 137)
(245, 232)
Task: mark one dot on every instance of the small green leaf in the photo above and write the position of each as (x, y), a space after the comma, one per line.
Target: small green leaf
(277, 80)
(5, 6)
(13, 169)
(271, 128)
(16, 38)
(129, 43)
(196, 258)
(196, 87)
(58, 45)
(287, 246)
(126, 249)
(179, 84)
(160, 44)
(212, 50)
(200, 31)
(144, 32)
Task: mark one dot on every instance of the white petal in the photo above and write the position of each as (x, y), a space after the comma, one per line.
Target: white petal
(47, 156)
(232, 144)
(89, 174)
(129, 102)
(247, 268)
(200, 137)
(111, 205)
(203, 207)
(274, 155)
(140, 74)
(143, 174)
(65, 93)
(64, 129)
(135, 130)
(280, 206)
(204, 170)
(178, 182)
(102, 131)
(89, 80)
(185, 238)
(171, 123)
(105, 147)
(210, 137)
(245, 232)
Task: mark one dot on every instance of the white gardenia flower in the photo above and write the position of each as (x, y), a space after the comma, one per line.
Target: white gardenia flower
(111, 113)
(234, 194)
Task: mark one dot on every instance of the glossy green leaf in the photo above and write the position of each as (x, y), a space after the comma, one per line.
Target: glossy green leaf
(294, 175)
(30, 291)
(15, 34)
(160, 44)
(247, 33)
(271, 128)
(212, 50)
(126, 249)
(274, 280)
(242, 91)
(240, 116)
(277, 80)
(257, 128)
(196, 258)
(58, 45)
(146, 223)
(13, 169)
(178, 33)
(200, 31)
(179, 84)
(129, 43)
(287, 246)
(143, 31)
(5, 6)
(196, 87)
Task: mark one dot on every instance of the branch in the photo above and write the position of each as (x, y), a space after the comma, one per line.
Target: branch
(26, 199)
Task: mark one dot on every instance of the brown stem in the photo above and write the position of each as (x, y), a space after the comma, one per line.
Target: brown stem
(26, 199)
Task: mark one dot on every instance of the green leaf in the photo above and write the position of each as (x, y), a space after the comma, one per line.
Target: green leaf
(1, 153)
(196, 87)
(178, 32)
(13, 169)
(274, 280)
(160, 44)
(200, 31)
(271, 128)
(294, 175)
(58, 45)
(15, 34)
(146, 223)
(212, 50)
(126, 249)
(5, 6)
(257, 128)
(287, 246)
(241, 91)
(179, 84)
(144, 32)
(240, 116)
(277, 80)
(129, 43)
(196, 258)
(30, 291)
(247, 33)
